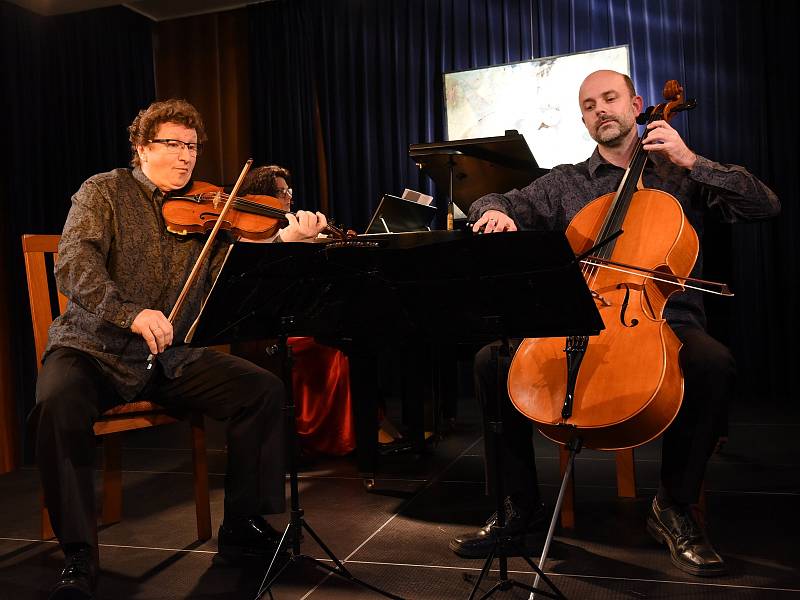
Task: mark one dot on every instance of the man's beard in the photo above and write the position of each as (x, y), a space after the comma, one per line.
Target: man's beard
(612, 136)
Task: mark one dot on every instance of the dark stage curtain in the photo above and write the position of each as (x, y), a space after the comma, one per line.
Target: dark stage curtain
(340, 88)
(373, 71)
(70, 86)
(204, 59)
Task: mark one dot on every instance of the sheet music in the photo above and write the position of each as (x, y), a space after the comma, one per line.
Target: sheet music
(417, 197)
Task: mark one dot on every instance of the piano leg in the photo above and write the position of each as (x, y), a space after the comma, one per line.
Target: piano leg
(364, 391)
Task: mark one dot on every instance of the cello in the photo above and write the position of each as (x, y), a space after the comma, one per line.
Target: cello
(623, 387)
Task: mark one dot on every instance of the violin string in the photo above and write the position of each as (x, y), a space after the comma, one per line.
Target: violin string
(249, 205)
(260, 209)
(257, 208)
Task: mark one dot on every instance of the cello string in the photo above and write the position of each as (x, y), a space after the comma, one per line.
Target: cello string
(622, 199)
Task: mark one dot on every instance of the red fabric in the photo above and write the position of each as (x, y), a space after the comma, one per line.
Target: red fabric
(321, 382)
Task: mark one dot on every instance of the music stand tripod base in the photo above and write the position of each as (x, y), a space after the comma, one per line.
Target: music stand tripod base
(504, 542)
(297, 522)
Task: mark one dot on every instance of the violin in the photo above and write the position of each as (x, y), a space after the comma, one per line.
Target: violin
(623, 387)
(206, 208)
(253, 216)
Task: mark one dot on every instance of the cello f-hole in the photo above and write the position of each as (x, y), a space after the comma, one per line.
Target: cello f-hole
(634, 322)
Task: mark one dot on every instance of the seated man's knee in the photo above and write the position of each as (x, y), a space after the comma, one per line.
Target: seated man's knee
(713, 363)
(723, 361)
(64, 411)
(484, 363)
(487, 360)
(67, 398)
(269, 389)
(69, 391)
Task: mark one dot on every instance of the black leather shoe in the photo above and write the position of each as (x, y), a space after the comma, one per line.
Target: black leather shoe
(688, 545)
(519, 523)
(79, 577)
(242, 537)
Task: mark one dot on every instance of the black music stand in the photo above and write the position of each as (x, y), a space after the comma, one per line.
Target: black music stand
(469, 169)
(423, 285)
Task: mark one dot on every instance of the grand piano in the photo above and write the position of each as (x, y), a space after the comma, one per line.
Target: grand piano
(377, 292)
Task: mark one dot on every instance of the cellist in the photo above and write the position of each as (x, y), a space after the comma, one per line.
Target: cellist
(122, 272)
(609, 106)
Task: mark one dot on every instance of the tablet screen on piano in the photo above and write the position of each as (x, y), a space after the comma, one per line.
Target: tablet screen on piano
(396, 215)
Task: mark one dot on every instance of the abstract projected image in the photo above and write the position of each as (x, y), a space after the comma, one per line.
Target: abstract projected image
(538, 98)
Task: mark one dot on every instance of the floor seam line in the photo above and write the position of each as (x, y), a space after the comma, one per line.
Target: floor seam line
(448, 567)
(400, 510)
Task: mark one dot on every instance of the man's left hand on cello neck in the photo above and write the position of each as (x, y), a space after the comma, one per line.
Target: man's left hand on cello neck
(666, 141)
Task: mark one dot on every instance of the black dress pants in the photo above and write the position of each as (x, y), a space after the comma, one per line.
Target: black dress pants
(708, 371)
(71, 392)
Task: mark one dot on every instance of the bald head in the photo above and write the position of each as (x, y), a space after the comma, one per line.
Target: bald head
(609, 78)
(609, 106)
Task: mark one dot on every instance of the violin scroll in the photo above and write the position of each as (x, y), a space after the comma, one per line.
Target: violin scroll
(339, 234)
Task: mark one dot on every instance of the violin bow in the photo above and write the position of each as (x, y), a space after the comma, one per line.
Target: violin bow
(205, 251)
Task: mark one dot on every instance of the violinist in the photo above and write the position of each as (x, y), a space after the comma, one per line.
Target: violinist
(122, 271)
(270, 180)
(320, 378)
(609, 107)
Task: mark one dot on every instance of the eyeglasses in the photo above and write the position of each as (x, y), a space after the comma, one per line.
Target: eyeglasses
(286, 192)
(176, 146)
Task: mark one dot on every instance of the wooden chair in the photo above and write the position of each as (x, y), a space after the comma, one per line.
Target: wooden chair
(626, 482)
(126, 417)
(626, 485)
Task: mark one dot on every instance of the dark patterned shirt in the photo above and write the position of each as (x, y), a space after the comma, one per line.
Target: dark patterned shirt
(551, 201)
(116, 259)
